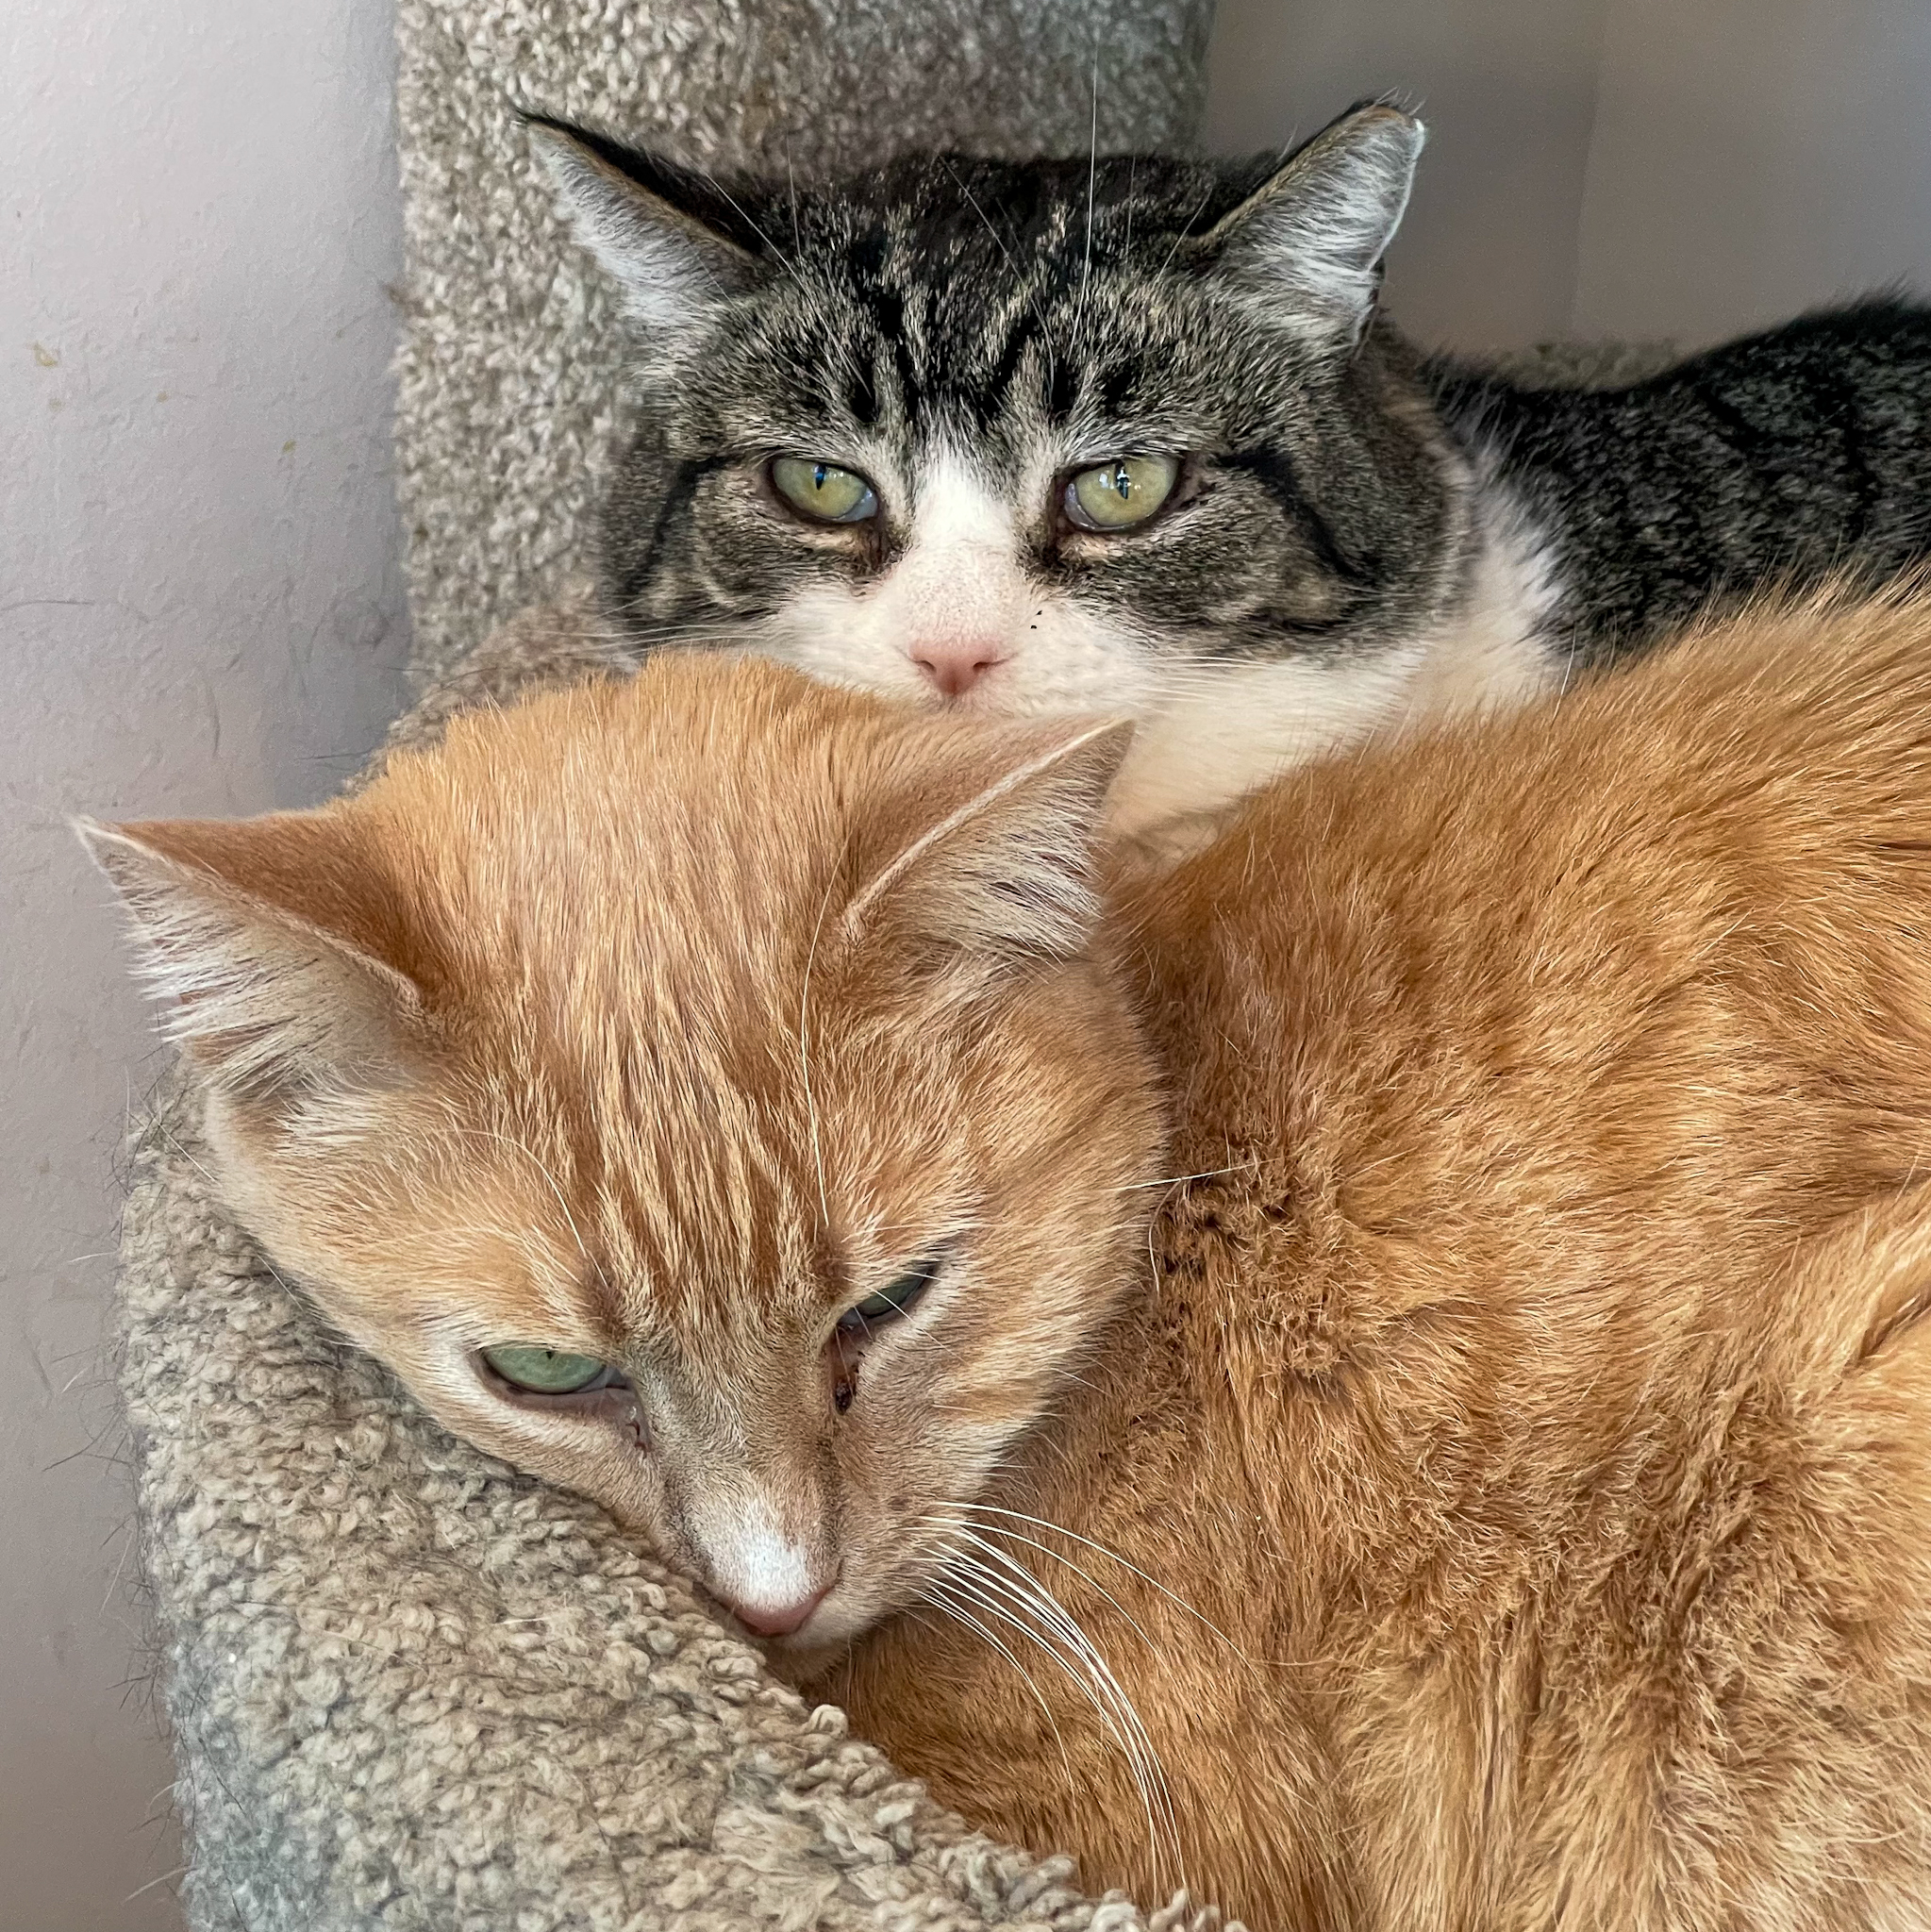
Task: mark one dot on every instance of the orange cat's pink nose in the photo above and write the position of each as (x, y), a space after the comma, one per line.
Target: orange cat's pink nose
(778, 1620)
(955, 665)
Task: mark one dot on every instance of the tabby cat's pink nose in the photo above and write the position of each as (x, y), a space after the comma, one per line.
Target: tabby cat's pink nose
(955, 665)
(777, 1620)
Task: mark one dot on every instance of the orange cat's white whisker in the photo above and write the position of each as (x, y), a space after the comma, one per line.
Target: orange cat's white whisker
(1007, 1562)
(1066, 1644)
(1013, 1589)
(1014, 1576)
(939, 1600)
(1149, 1774)
(1114, 1555)
(1174, 1180)
(962, 1588)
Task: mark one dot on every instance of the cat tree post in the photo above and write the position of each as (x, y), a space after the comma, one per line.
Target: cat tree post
(410, 1691)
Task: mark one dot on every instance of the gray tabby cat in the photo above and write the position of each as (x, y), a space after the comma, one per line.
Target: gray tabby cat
(1128, 436)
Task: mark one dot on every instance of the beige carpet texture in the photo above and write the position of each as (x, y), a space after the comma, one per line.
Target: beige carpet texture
(409, 1689)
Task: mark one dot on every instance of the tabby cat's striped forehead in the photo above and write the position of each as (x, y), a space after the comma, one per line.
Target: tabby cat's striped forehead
(959, 270)
(977, 302)
(1048, 435)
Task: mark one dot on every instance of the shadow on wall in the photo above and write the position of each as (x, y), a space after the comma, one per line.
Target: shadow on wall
(1687, 169)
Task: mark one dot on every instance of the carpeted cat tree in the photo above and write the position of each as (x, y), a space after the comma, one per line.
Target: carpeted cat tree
(409, 1689)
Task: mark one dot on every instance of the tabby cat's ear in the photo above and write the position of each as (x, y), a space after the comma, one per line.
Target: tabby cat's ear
(1310, 238)
(1010, 874)
(252, 934)
(673, 240)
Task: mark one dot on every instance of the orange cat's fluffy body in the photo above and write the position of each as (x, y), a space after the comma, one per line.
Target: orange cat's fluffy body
(1500, 1479)
(1531, 1386)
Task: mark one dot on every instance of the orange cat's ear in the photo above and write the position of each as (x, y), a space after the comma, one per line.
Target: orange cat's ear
(1009, 876)
(246, 933)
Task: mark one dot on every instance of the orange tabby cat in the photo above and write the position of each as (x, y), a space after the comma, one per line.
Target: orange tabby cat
(1495, 1492)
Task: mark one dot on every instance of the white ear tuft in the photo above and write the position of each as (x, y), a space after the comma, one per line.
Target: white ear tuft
(669, 262)
(1311, 239)
(273, 1008)
(1008, 875)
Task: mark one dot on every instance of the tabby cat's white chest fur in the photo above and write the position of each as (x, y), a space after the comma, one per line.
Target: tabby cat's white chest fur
(1243, 721)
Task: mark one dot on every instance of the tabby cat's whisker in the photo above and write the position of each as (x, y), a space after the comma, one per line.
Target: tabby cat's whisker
(1092, 174)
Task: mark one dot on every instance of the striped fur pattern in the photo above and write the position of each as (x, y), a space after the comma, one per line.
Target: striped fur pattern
(1357, 534)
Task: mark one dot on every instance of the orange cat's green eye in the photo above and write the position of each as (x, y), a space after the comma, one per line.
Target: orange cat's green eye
(890, 1302)
(548, 1370)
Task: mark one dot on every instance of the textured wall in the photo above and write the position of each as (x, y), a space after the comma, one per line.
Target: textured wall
(1752, 157)
(200, 610)
(1685, 169)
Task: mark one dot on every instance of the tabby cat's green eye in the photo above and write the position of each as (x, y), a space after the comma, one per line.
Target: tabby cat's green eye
(824, 491)
(547, 1371)
(1124, 490)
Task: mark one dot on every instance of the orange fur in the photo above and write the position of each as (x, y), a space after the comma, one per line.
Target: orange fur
(1522, 1381)
(664, 1021)
(1530, 1388)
